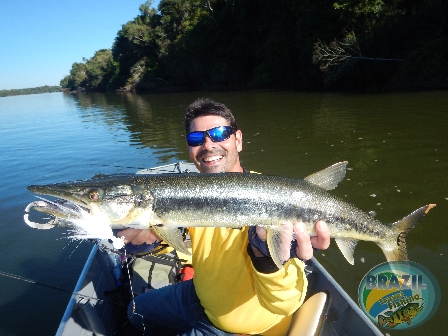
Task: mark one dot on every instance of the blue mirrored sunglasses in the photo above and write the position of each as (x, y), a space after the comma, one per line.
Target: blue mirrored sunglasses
(216, 134)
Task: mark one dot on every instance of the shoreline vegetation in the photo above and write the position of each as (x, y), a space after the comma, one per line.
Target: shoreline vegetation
(27, 91)
(332, 45)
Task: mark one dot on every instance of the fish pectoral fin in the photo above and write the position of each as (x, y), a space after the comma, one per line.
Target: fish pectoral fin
(347, 247)
(279, 239)
(172, 236)
(330, 177)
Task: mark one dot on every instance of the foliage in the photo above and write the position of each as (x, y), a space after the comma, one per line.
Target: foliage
(95, 73)
(340, 55)
(36, 90)
(205, 44)
(425, 67)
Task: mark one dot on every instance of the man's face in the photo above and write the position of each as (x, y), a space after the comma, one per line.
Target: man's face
(215, 157)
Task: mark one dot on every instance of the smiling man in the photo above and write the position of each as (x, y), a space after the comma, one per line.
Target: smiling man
(205, 130)
(237, 288)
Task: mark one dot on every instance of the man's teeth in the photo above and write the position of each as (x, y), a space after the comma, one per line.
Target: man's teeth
(213, 158)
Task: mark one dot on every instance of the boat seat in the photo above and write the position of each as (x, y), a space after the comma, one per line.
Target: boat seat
(310, 317)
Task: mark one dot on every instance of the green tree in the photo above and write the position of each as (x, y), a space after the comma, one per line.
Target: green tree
(36, 90)
(100, 69)
(213, 43)
(77, 78)
(137, 49)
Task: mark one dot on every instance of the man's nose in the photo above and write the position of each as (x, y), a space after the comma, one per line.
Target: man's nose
(208, 143)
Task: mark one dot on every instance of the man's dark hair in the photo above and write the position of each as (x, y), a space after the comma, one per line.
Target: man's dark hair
(205, 107)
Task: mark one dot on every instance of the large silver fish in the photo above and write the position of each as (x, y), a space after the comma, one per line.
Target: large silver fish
(168, 201)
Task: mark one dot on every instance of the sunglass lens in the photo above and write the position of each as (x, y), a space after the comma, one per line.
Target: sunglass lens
(220, 133)
(195, 138)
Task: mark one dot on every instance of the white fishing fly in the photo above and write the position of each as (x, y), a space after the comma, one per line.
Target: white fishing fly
(85, 226)
(89, 227)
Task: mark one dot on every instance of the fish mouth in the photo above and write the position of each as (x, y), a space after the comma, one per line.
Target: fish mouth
(60, 193)
(67, 205)
(60, 211)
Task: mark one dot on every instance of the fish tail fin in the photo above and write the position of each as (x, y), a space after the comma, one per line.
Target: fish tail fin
(395, 248)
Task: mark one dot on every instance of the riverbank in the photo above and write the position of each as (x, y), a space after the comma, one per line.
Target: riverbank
(27, 91)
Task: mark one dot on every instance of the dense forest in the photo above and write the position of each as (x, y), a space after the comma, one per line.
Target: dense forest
(302, 44)
(39, 89)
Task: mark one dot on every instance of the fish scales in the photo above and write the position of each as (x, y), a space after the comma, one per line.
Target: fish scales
(254, 199)
(168, 201)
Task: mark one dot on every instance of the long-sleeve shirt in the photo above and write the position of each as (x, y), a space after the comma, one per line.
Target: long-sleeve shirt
(235, 296)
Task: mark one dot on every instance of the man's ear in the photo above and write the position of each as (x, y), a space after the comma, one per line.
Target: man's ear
(239, 140)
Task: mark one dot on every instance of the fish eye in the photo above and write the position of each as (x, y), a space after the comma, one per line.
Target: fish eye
(95, 194)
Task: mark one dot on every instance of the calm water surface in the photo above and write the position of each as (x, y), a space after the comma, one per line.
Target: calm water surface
(396, 145)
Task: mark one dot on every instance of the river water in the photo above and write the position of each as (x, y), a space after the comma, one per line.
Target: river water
(396, 145)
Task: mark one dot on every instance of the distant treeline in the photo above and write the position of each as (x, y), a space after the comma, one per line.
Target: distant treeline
(302, 44)
(40, 89)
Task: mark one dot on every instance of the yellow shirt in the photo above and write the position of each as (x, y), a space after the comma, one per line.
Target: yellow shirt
(236, 297)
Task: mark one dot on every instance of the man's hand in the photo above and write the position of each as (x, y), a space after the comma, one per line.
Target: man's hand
(305, 243)
(138, 237)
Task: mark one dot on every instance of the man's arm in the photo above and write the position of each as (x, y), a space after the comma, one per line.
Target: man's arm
(139, 241)
(138, 237)
(282, 291)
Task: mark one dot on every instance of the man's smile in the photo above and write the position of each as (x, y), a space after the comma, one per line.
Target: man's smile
(211, 159)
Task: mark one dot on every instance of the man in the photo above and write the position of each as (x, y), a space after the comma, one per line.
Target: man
(236, 289)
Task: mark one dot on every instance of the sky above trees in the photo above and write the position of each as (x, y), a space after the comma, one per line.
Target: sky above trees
(40, 40)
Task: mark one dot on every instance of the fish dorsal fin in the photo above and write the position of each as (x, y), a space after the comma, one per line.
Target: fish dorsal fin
(347, 247)
(279, 239)
(329, 178)
(172, 236)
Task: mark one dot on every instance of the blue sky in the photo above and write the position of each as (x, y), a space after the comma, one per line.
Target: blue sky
(40, 40)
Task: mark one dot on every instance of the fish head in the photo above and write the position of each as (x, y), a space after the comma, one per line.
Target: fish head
(114, 197)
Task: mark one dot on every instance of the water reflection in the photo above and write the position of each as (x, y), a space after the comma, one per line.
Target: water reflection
(159, 128)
